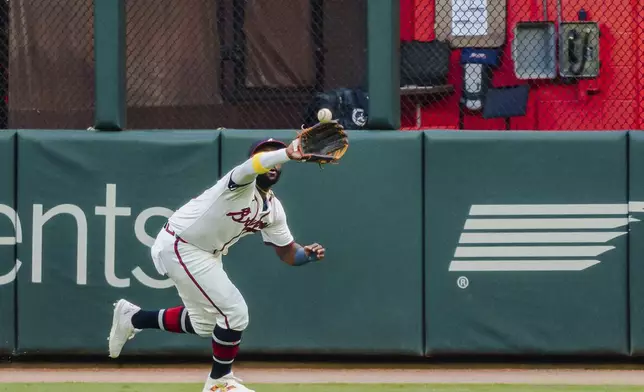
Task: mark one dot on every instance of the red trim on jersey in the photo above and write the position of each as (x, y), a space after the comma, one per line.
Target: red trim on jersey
(172, 233)
(176, 251)
(172, 319)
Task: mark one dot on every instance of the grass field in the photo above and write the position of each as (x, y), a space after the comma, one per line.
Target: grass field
(84, 387)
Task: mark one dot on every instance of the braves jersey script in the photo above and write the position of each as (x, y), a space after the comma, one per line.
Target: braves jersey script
(226, 212)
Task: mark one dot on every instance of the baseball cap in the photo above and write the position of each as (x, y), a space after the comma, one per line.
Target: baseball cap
(265, 142)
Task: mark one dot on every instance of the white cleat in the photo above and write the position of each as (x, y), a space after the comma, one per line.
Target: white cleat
(122, 328)
(227, 383)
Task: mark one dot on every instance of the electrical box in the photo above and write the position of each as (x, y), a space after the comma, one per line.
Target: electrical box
(579, 50)
(534, 50)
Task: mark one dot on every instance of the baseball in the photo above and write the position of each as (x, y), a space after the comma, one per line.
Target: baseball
(324, 115)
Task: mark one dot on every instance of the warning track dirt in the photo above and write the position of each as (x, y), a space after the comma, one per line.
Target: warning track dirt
(292, 373)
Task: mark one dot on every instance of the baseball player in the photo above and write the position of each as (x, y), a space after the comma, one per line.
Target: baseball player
(189, 250)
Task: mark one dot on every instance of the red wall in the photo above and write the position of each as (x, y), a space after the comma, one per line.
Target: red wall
(618, 98)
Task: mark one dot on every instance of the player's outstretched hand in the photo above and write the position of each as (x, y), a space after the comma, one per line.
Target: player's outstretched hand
(314, 249)
(293, 152)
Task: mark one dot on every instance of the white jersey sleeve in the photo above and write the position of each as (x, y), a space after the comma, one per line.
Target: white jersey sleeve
(259, 163)
(278, 233)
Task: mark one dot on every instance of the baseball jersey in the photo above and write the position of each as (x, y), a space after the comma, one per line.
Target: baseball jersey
(226, 212)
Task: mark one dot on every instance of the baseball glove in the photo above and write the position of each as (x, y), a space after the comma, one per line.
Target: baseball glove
(322, 143)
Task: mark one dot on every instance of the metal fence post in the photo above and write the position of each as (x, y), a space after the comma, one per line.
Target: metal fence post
(109, 52)
(383, 40)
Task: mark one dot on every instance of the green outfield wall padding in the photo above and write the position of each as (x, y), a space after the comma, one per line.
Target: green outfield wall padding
(91, 204)
(526, 243)
(366, 296)
(8, 239)
(438, 243)
(636, 243)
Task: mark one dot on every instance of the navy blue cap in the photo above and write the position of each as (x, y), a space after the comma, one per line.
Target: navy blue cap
(265, 142)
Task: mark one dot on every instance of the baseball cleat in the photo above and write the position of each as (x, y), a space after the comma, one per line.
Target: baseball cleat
(122, 328)
(227, 383)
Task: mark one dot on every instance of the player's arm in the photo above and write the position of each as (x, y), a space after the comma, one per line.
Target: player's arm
(263, 162)
(259, 163)
(296, 255)
(279, 236)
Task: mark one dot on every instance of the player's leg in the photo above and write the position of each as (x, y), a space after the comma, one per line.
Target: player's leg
(217, 310)
(176, 320)
(128, 318)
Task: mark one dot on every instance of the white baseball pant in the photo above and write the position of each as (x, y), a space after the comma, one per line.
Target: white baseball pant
(203, 285)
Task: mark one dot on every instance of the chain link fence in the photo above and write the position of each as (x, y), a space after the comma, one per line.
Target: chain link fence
(508, 64)
(46, 64)
(242, 63)
(465, 64)
(190, 64)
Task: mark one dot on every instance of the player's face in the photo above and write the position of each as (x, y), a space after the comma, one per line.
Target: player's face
(267, 180)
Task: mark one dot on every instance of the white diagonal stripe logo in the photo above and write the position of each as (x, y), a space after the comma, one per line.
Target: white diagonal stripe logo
(540, 237)
(547, 223)
(531, 251)
(549, 209)
(521, 265)
(537, 238)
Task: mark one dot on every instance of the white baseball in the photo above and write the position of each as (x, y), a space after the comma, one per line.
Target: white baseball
(325, 115)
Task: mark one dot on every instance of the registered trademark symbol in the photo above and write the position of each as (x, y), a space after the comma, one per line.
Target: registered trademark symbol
(463, 282)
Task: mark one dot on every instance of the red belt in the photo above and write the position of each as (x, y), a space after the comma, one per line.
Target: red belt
(172, 233)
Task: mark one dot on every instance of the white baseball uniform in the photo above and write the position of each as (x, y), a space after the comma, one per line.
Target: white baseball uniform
(190, 247)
